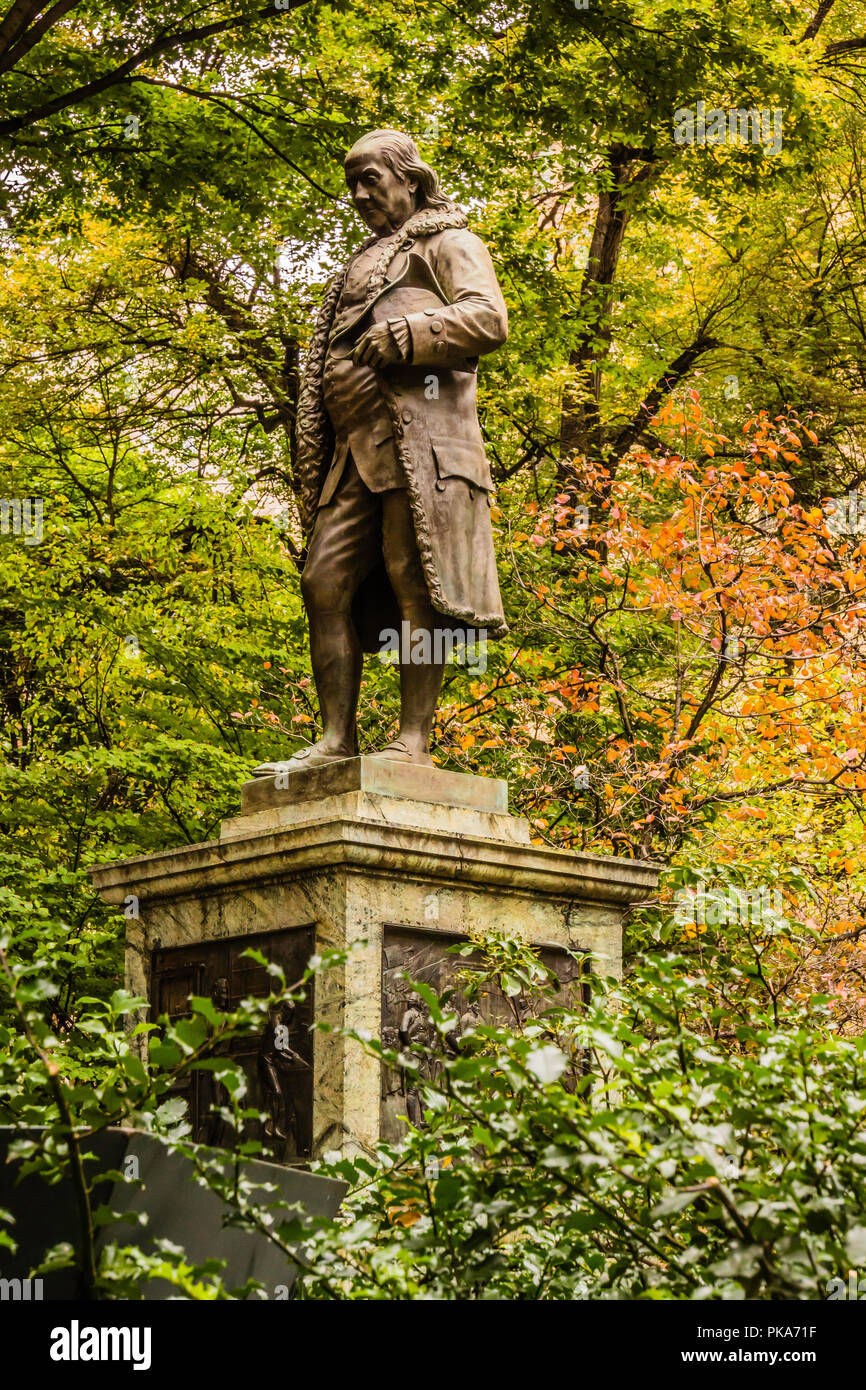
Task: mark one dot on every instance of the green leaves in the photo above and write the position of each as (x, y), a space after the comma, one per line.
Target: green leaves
(153, 645)
(682, 1171)
(546, 1063)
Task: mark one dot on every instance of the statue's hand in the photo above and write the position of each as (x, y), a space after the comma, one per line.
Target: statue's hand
(376, 347)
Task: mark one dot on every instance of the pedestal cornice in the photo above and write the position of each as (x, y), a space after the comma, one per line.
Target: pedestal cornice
(344, 843)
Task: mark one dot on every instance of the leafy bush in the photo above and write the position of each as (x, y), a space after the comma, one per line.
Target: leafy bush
(616, 1153)
(71, 1080)
(613, 1151)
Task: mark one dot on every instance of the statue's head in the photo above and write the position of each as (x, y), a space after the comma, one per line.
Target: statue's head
(388, 180)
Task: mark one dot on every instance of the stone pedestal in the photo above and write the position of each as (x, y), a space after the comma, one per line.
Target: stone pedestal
(360, 851)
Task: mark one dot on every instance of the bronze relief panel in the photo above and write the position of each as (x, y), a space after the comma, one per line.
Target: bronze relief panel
(424, 955)
(277, 1061)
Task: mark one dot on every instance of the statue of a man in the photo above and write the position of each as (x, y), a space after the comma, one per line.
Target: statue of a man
(393, 481)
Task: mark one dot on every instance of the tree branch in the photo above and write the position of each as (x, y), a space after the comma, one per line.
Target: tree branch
(679, 368)
(21, 45)
(844, 46)
(226, 106)
(144, 55)
(16, 20)
(817, 20)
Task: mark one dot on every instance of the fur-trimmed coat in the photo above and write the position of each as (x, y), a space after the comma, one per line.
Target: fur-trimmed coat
(440, 277)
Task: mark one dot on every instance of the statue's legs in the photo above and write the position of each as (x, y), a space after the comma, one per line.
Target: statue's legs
(352, 533)
(420, 680)
(345, 547)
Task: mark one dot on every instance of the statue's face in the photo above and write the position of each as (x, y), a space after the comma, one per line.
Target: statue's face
(383, 199)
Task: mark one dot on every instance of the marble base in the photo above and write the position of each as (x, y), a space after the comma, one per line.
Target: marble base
(377, 777)
(353, 848)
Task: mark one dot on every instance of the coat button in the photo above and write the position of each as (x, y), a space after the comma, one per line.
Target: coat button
(436, 326)
(406, 417)
(429, 312)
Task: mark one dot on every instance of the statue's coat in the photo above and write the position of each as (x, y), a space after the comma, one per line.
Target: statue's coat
(440, 277)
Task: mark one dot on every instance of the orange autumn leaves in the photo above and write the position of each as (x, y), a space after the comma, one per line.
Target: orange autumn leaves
(724, 622)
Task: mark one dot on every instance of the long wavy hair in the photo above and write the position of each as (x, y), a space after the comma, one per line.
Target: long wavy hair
(402, 156)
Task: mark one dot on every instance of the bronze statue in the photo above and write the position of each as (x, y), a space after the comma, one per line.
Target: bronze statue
(393, 481)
